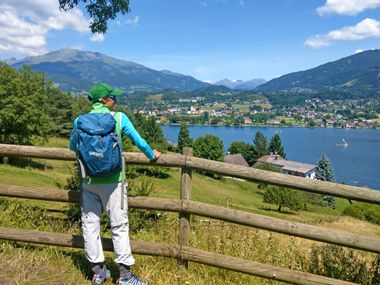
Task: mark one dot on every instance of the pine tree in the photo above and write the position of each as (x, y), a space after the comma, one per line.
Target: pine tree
(184, 139)
(325, 172)
(276, 147)
(260, 145)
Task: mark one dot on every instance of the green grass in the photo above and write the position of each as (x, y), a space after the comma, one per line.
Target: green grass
(29, 264)
(241, 107)
(56, 142)
(286, 119)
(377, 120)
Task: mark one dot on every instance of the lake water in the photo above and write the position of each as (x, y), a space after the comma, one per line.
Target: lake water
(358, 164)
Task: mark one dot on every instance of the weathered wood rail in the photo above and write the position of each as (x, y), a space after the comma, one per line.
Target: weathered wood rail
(185, 207)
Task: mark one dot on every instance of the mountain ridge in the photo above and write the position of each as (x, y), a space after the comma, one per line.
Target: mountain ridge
(76, 70)
(240, 84)
(355, 73)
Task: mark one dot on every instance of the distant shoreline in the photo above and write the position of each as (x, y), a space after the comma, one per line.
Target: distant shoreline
(270, 126)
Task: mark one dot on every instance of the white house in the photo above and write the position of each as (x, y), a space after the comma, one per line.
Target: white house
(289, 167)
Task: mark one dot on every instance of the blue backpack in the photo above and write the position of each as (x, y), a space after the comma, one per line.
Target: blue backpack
(99, 148)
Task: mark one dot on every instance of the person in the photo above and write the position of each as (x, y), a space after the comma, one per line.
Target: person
(107, 192)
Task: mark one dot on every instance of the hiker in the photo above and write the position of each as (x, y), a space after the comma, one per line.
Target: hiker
(103, 184)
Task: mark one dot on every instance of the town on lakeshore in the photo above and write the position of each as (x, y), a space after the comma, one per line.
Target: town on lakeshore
(258, 111)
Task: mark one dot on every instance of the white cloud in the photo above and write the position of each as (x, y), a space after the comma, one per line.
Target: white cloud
(368, 28)
(347, 7)
(359, 50)
(97, 37)
(133, 21)
(24, 25)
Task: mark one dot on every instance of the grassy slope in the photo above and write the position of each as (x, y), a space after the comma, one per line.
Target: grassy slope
(44, 265)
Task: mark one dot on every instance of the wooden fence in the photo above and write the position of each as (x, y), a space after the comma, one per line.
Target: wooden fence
(185, 207)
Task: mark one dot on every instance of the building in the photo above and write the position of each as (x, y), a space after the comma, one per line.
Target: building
(289, 167)
(237, 159)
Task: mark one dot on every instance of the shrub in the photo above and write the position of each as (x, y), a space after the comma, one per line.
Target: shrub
(140, 219)
(282, 197)
(364, 212)
(342, 263)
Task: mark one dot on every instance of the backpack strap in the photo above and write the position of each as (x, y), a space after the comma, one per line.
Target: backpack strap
(118, 122)
(123, 179)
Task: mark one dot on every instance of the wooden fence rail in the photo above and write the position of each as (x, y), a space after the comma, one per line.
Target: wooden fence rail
(371, 244)
(181, 252)
(195, 163)
(186, 207)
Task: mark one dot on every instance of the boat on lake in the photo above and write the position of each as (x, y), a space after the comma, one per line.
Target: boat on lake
(343, 144)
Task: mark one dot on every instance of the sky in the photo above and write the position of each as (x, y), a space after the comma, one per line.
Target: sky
(207, 39)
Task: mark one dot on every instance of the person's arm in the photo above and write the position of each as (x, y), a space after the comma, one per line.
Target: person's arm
(129, 130)
(73, 137)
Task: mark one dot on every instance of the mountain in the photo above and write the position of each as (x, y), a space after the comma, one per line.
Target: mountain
(76, 70)
(251, 84)
(229, 83)
(10, 61)
(357, 73)
(240, 84)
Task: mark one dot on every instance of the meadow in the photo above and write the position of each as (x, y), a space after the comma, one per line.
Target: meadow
(34, 264)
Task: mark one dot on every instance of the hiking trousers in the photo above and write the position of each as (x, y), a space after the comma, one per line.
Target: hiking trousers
(94, 198)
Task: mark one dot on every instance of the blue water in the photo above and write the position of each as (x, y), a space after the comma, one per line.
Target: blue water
(358, 164)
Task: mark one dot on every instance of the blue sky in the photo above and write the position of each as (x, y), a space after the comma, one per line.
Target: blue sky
(207, 39)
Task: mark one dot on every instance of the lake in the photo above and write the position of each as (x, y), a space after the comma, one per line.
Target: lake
(357, 164)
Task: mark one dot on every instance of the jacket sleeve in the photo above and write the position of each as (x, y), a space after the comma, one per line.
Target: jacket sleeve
(73, 137)
(129, 130)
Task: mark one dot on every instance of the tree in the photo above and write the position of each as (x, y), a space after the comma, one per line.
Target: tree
(63, 108)
(23, 100)
(153, 134)
(208, 147)
(206, 116)
(276, 147)
(282, 197)
(184, 139)
(80, 105)
(324, 169)
(149, 130)
(260, 145)
(245, 149)
(325, 172)
(100, 11)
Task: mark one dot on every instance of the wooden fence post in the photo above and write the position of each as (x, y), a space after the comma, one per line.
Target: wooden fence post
(184, 218)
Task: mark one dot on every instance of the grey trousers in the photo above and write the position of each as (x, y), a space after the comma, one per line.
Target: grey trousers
(107, 196)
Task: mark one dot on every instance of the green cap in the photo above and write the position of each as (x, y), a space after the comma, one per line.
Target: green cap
(101, 90)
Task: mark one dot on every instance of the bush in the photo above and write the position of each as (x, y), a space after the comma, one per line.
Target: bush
(282, 197)
(364, 212)
(344, 264)
(30, 217)
(140, 219)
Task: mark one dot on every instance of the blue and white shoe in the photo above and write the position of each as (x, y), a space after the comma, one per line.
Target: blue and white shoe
(131, 280)
(98, 279)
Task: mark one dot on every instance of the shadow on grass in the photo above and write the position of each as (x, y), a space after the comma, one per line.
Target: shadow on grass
(269, 209)
(155, 172)
(80, 261)
(23, 162)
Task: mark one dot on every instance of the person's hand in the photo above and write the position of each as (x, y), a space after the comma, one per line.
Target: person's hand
(157, 154)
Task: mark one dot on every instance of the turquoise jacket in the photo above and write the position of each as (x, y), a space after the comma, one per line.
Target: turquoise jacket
(124, 127)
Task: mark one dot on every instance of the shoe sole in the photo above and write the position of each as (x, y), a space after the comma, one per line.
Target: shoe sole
(108, 276)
